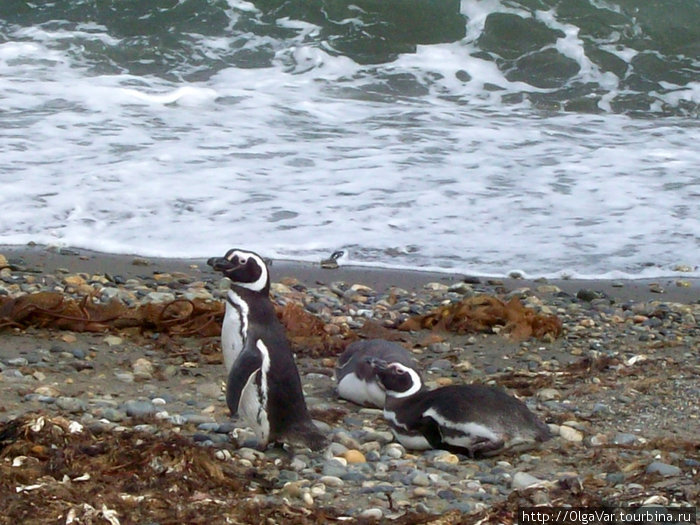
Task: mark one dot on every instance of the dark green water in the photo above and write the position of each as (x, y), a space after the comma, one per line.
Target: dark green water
(578, 55)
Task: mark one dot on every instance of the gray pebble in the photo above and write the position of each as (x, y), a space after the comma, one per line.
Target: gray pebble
(208, 427)
(522, 480)
(587, 295)
(334, 469)
(421, 479)
(622, 438)
(332, 481)
(657, 467)
(372, 514)
(71, 404)
(136, 408)
(615, 478)
(226, 427)
(40, 398)
(112, 414)
(197, 419)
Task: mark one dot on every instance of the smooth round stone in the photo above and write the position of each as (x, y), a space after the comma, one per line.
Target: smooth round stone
(615, 478)
(446, 457)
(142, 368)
(145, 428)
(354, 477)
(334, 469)
(601, 408)
(112, 414)
(287, 475)
(373, 456)
(440, 364)
(336, 449)
(548, 394)
(624, 439)
(570, 434)
(124, 377)
(587, 295)
(47, 391)
(298, 464)
(421, 479)
(136, 408)
(71, 404)
(40, 398)
(447, 494)
(354, 456)
(462, 506)
(372, 514)
(422, 492)
(395, 451)
(346, 439)
(17, 361)
(33, 358)
(226, 427)
(249, 454)
(664, 469)
(197, 419)
(317, 491)
(523, 480)
(332, 481)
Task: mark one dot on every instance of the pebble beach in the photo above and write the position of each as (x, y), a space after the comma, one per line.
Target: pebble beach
(619, 388)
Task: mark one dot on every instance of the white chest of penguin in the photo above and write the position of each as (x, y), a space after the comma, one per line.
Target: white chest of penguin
(234, 329)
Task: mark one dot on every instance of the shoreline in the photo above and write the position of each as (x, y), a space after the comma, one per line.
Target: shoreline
(47, 259)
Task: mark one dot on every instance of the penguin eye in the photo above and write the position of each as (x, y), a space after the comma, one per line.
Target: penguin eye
(242, 260)
(399, 371)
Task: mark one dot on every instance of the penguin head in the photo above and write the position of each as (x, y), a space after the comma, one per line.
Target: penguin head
(245, 269)
(397, 379)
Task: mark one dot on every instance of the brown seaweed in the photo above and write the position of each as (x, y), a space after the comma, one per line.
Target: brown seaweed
(483, 313)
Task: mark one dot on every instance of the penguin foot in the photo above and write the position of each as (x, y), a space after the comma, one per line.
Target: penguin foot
(310, 438)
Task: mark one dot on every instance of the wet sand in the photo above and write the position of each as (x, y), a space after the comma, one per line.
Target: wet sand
(48, 259)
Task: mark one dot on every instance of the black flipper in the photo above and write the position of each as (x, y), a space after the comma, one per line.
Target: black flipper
(431, 431)
(244, 369)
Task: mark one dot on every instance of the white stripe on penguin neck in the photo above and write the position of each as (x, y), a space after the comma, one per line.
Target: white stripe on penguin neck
(416, 383)
(259, 284)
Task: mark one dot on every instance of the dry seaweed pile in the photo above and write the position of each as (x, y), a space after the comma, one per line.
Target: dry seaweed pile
(308, 334)
(482, 313)
(55, 310)
(53, 470)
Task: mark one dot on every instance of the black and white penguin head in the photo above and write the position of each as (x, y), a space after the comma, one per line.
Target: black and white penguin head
(245, 269)
(397, 379)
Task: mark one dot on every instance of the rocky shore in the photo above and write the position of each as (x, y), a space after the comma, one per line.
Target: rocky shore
(129, 425)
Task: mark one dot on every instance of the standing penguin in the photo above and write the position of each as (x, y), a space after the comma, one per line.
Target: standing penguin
(357, 381)
(475, 420)
(263, 381)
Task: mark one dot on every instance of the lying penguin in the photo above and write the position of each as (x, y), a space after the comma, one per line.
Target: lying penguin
(263, 381)
(475, 420)
(357, 381)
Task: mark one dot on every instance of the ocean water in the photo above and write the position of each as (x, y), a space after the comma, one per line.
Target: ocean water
(553, 137)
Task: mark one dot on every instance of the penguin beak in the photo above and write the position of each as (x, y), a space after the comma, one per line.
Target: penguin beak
(220, 264)
(378, 365)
